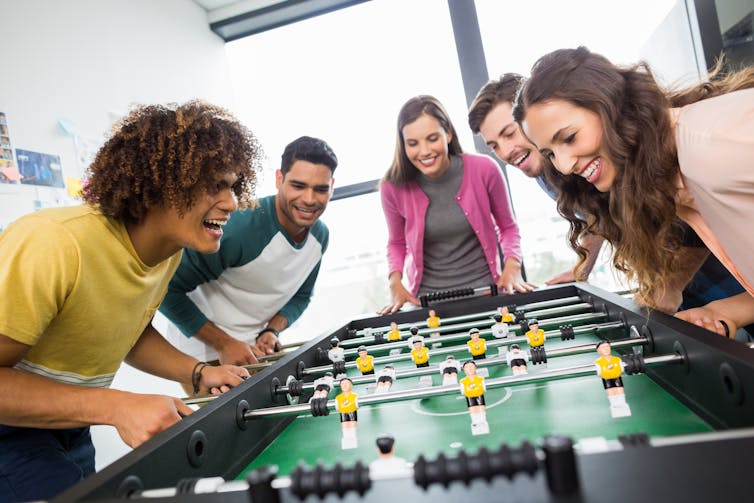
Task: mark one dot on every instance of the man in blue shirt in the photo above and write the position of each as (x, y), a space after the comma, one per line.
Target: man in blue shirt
(491, 116)
(231, 305)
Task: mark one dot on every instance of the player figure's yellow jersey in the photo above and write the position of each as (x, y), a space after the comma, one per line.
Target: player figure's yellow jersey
(420, 355)
(394, 335)
(346, 402)
(472, 386)
(433, 321)
(535, 339)
(477, 348)
(508, 318)
(610, 367)
(365, 363)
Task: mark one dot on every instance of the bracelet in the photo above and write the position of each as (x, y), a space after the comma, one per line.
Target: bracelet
(196, 375)
(268, 329)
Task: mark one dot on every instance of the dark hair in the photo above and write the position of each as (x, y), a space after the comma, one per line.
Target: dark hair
(639, 140)
(160, 156)
(601, 342)
(401, 170)
(309, 149)
(463, 365)
(514, 346)
(385, 443)
(493, 92)
(532, 321)
(498, 317)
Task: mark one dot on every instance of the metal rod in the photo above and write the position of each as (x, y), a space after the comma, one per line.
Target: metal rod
(397, 396)
(464, 327)
(563, 301)
(453, 349)
(488, 362)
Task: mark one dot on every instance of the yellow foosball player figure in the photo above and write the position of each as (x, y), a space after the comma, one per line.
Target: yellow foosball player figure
(505, 314)
(610, 369)
(535, 335)
(500, 329)
(365, 362)
(472, 387)
(419, 353)
(347, 403)
(393, 334)
(433, 322)
(477, 345)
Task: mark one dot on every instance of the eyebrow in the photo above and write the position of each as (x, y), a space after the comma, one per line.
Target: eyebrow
(558, 133)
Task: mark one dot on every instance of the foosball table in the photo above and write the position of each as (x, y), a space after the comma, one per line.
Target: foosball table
(550, 433)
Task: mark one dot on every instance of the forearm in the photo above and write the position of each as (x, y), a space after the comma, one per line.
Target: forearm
(29, 400)
(739, 308)
(278, 322)
(156, 356)
(593, 245)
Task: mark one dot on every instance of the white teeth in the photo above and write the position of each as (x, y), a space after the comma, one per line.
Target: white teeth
(590, 170)
(518, 161)
(427, 161)
(217, 222)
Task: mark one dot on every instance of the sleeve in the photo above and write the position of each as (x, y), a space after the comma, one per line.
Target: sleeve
(293, 309)
(195, 269)
(35, 278)
(502, 212)
(396, 226)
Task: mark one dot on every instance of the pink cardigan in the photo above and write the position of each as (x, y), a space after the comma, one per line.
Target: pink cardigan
(483, 197)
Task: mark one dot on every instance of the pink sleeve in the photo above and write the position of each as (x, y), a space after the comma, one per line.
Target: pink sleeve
(396, 226)
(497, 191)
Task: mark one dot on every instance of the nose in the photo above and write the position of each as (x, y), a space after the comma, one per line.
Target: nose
(564, 162)
(309, 197)
(228, 201)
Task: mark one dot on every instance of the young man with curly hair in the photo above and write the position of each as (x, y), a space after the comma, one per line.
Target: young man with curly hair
(232, 305)
(81, 284)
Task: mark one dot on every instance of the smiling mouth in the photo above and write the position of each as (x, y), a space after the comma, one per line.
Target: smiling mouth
(517, 161)
(427, 162)
(591, 171)
(215, 225)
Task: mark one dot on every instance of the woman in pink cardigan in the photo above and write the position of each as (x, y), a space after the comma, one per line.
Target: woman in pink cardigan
(446, 212)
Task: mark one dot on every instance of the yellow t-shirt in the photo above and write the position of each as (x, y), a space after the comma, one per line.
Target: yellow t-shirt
(535, 339)
(74, 289)
(394, 335)
(508, 318)
(365, 364)
(420, 355)
(477, 348)
(433, 321)
(346, 402)
(472, 386)
(610, 367)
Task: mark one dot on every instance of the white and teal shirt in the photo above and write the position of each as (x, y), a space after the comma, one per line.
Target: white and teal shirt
(258, 272)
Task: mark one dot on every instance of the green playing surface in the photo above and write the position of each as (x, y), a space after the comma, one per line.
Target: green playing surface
(577, 407)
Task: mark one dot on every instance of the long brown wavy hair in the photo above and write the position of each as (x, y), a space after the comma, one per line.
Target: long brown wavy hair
(637, 216)
(167, 155)
(401, 170)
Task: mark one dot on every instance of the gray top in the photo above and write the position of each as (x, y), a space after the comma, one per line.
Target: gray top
(453, 256)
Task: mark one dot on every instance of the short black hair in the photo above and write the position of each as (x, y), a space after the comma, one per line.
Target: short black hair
(334, 341)
(413, 330)
(385, 443)
(600, 343)
(307, 148)
(498, 317)
(532, 321)
(514, 346)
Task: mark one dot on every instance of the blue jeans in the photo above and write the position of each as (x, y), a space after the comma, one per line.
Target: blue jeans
(38, 463)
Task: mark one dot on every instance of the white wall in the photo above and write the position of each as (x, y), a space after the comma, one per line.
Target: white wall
(84, 61)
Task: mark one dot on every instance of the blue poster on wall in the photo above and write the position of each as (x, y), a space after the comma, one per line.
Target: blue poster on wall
(40, 169)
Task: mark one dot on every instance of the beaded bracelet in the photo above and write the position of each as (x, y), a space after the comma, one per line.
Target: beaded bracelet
(196, 375)
(268, 329)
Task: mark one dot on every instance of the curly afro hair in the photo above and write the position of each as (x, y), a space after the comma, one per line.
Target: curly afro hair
(161, 156)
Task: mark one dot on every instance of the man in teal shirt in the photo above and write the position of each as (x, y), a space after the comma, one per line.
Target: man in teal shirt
(231, 305)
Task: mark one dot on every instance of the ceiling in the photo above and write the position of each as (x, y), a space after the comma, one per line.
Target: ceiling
(234, 19)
